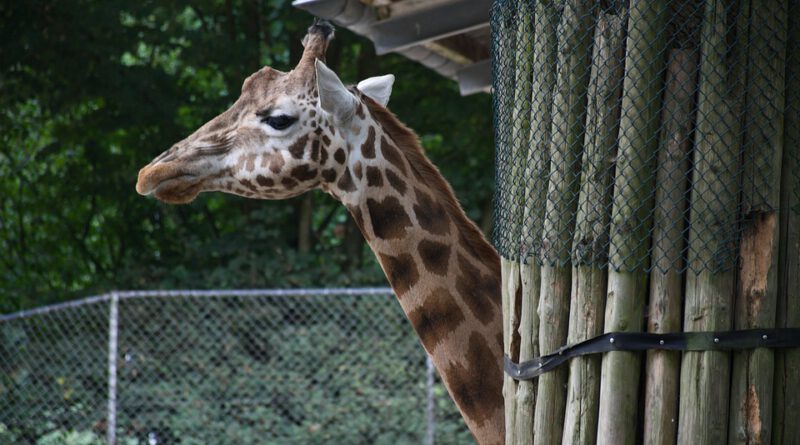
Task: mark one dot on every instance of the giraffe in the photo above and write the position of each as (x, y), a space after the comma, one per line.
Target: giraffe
(292, 132)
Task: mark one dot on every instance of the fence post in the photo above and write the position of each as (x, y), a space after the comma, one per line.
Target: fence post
(430, 414)
(111, 431)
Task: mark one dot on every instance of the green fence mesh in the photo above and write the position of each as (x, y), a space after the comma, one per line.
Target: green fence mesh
(641, 134)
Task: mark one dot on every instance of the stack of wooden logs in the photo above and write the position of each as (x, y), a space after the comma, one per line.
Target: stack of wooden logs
(654, 149)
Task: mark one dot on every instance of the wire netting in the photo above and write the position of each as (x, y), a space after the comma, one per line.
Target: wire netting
(221, 367)
(640, 135)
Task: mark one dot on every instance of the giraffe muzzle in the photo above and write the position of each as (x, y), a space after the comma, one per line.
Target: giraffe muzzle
(168, 183)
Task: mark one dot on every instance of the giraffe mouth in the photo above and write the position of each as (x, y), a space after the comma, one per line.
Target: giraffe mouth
(168, 184)
(180, 190)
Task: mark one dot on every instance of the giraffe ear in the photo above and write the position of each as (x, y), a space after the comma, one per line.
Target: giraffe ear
(378, 88)
(333, 96)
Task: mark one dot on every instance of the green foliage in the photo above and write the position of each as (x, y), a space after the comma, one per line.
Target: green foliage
(91, 91)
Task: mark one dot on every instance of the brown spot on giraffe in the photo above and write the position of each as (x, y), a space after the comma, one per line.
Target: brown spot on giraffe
(299, 147)
(264, 181)
(251, 161)
(357, 170)
(346, 181)
(248, 184)
(240, 161)
(315, 150)
(431, 215)
(303, 173)
(389, 218)
(396, 182)
(476, 387)
(475, 289)
(392, 154)
(326, 141)
(360, 111)
(368, 147)
(339, 156)
(401, 270)
(329, 175)
(435, 256)
(323, 157)
(289, 183)
(374, 177)
(437, 317)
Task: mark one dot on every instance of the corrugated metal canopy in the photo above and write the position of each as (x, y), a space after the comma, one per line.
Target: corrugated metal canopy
(450, 37)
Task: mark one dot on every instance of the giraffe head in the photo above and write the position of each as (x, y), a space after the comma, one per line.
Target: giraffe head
(287, 133)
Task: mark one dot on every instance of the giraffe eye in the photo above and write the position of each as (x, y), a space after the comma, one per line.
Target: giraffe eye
(279, 122)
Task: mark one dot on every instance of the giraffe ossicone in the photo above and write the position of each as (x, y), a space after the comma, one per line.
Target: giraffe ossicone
(291, 132)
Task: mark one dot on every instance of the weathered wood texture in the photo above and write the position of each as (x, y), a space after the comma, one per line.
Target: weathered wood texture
(666, 281)
(528, 349)
(704, 389)
(567, 133)
(631, 222)
(504, 53)
(590, 241)
(756, 296)
(521, 136)
(786, 428)
(536, 174)
(510, 287)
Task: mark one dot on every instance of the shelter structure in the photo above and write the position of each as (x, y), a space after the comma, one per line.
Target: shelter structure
(450, 37)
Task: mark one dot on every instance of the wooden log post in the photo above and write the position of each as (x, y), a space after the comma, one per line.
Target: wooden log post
(590, 241)
(520, 29)
(666, 280)
(536, 171)
(756, 296)
(566, 145)
(509, 294)
(704, 388)
(786, 428)
(631, 220)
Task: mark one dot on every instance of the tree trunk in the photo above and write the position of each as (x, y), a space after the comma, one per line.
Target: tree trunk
(535, 178)
(590, 242)
(786, 429)
(756, 297)
(513, 52)
(666, 282)
(511, 288)
(566, 146)
(704, 390)
(631, 215)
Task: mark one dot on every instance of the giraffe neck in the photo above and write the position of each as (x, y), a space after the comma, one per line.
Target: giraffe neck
(443, 271)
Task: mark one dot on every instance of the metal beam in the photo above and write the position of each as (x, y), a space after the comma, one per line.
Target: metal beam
(326, 9)
(475, 78)
(424, 25)
(348, 13)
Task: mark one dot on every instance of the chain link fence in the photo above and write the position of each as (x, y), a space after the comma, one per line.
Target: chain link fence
(329, 366)
(640, 135)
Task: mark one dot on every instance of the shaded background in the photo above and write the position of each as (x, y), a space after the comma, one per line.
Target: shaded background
(91, 91)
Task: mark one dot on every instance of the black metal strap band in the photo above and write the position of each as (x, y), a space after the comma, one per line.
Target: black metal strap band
(641, 341)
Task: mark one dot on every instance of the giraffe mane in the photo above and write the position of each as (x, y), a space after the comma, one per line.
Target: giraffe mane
(408, 143)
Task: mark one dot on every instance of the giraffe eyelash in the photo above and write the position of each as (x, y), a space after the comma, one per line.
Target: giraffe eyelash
(278, 121)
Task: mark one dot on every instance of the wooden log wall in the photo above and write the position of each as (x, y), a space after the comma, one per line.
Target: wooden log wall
(675, 149)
